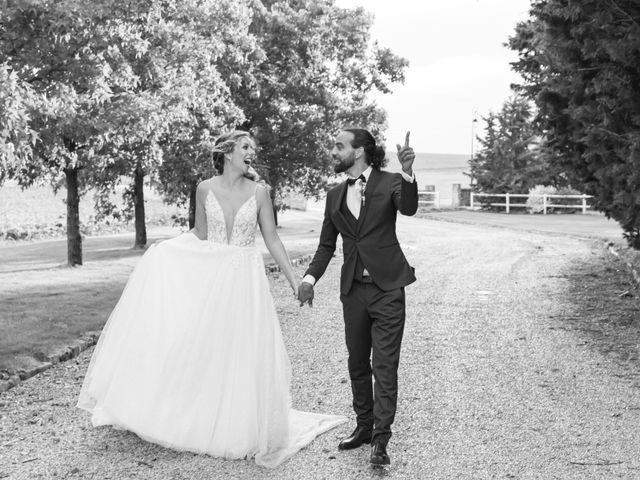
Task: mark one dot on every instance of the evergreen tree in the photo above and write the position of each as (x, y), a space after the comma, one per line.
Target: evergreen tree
(510, 159)
(580, 61)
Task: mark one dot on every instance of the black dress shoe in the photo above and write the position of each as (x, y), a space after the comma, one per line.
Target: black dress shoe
(379, 454)
(359, 436)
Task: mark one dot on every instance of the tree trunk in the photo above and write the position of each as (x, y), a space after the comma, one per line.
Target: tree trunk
(272, 193)
(192, 206)
(138, 203)
(74, 239)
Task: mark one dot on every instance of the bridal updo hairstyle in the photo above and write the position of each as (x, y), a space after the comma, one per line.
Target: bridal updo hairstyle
(375, 154)
(225, 144)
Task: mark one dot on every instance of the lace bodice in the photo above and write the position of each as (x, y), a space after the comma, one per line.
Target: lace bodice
(243, 230)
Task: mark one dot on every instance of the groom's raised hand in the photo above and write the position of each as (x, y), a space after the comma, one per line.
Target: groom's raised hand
(305, 293)
(406, 156)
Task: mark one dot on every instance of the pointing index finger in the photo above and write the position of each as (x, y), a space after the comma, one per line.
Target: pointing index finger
(406, 139)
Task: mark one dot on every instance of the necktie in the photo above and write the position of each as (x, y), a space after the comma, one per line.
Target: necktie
(351, 181)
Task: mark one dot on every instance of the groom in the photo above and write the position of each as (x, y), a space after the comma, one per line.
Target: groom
(363, 210)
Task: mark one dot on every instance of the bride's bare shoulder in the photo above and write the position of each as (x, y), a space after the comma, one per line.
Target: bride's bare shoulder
(205, 185)
(263, 196)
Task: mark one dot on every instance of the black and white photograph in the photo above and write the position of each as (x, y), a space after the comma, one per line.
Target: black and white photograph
(319, 239)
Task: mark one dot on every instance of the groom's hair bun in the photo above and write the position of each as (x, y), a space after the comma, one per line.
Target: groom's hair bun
(374, 154)
(379, 156)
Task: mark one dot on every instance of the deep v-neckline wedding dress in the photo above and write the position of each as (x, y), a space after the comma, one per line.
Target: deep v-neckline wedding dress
(192, 356)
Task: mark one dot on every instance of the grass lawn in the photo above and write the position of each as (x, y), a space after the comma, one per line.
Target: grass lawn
(46, 305)
(48, 312)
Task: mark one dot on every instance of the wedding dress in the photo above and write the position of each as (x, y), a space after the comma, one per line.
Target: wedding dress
(192, 356)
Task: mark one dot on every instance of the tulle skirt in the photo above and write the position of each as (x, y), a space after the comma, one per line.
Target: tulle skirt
(192, 357)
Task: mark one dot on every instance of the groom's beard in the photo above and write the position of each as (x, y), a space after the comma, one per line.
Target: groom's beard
(344, 164)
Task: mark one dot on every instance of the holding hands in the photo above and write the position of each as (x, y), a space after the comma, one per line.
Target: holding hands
(406, 156)
(305, 294)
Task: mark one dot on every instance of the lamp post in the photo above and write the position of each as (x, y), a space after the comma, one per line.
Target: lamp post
(474, 120)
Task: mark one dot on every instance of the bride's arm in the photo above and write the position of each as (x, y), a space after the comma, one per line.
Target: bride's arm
(270, 235)
(200, 225)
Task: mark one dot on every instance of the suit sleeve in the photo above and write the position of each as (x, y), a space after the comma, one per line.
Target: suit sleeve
(326, 246)
(405, 195)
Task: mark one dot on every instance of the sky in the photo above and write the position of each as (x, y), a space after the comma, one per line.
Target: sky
(458, 66)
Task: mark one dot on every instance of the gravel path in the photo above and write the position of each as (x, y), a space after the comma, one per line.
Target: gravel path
(499, 376)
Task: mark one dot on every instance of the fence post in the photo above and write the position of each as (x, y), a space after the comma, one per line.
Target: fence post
(584, 204)
(507, 202)
(471, 200)
(455, 195)
(544, 203)
(437, 199)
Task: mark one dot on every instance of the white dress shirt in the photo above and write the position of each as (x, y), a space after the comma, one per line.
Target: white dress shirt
(355, 193)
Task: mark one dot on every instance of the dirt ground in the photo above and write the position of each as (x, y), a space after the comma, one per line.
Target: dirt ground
(520, 361)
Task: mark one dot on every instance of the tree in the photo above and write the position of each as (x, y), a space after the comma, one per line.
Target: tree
(179, 96)
(219, 59)
(510, 159)
(319, 67)
(580, 63)
(304, 70)
(119, 79)
(17, 138)
(134, 124)
(64, 51)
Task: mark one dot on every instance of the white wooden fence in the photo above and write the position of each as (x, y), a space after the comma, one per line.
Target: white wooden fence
(508, 204)
(432, 198)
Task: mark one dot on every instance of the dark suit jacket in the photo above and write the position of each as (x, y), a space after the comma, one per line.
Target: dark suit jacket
(374, 237)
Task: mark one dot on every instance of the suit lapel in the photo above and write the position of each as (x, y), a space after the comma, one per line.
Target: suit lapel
(336, 207)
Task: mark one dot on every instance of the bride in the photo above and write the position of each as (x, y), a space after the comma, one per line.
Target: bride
(192, 356)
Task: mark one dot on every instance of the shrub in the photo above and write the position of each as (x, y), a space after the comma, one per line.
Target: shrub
(535, 201)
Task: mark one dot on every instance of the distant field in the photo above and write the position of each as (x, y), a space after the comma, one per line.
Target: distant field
(37, 213)
(439, 169)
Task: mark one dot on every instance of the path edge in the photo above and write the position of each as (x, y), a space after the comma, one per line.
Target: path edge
(619, 252)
